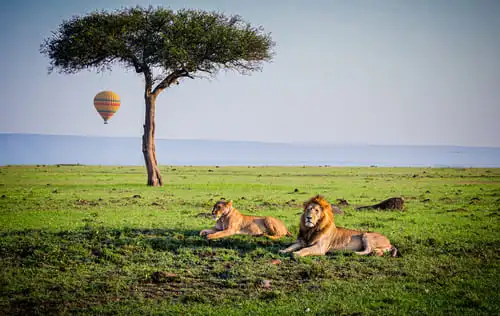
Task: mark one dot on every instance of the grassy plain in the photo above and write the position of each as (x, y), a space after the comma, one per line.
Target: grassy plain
(96, 240)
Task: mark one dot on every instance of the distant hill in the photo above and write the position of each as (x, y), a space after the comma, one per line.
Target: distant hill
(57, 149)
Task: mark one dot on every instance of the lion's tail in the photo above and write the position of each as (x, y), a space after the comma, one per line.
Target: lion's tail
(289, 234)
(394, 251)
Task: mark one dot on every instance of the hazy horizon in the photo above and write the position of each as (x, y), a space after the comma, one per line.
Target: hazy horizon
(254, 141)
(358, 72)
(31, 149)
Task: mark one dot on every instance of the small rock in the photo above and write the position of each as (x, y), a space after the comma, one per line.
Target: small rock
(337, 210)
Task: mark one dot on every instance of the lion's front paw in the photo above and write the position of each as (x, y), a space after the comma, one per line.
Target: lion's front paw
(209, 236)
(204, 232)
(282, 251)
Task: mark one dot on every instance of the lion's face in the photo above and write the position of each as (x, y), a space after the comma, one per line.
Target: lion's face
(221, 208)
(312, 214)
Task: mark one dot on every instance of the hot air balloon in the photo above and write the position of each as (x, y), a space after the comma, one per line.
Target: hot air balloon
(106, 103)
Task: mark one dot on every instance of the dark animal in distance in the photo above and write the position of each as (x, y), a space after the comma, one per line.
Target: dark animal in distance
(393, 203)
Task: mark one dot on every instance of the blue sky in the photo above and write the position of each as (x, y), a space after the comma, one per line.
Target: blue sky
(345, 72)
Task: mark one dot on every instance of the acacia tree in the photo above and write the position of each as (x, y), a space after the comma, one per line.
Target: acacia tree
(161, 44)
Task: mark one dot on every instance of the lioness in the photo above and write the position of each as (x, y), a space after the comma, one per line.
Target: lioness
(230, 222)
(318, 234)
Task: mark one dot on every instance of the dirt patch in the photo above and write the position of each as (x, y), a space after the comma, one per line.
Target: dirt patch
(163, 277)
(478, 182)
(85, 202)
(457, 210)
(474, 200)
(446, 200)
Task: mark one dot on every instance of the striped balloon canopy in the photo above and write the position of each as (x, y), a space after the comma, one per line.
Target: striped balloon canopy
(106, 103)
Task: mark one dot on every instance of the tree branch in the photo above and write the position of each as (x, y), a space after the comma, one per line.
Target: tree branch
(170, 79)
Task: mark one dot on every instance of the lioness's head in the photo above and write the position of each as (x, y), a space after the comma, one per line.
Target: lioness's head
(316, 210)
(221, 208)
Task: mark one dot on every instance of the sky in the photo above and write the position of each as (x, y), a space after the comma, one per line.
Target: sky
(345, 72)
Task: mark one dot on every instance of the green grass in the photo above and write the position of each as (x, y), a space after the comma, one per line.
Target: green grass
(96, 240)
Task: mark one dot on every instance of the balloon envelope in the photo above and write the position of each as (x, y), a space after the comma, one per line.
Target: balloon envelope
(106, 103)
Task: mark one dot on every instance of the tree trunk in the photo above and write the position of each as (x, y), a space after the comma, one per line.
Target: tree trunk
(148, 142)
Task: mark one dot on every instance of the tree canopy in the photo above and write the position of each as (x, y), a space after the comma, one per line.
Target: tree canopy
(163, 45)
(182, 43)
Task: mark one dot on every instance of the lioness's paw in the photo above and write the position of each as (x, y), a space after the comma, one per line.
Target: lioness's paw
(205, 232)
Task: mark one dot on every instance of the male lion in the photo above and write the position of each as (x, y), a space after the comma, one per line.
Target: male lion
(230, 222)
(318, 234)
